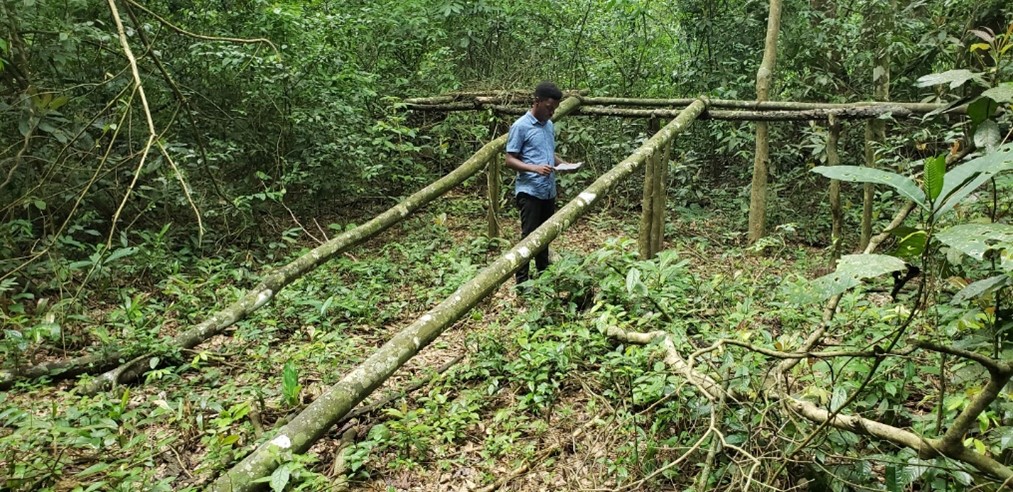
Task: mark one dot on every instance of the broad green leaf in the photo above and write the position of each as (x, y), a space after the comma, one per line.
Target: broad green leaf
(935, 169)
(955, 78)
(851, 270)
(981, 109)
(857, 174)
(93, 469)
(965, 178)
(975, 240)
(58, 102)
(634, 286)
(1002, 93)
(987, 136)
(280, 477)
(912, 245)
(981, 287)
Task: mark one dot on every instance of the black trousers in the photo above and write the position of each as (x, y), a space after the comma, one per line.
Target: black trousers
(534, 212)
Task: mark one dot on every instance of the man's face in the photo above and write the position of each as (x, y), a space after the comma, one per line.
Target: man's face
(544, 108)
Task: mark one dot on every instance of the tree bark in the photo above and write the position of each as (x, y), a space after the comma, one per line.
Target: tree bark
(464, 104)
(320, 415)
(660, 199)
(764, 77)
(836, 213)
(493, 179)
(268, 287)
(875, 130)
(645, 240)
(855, 111)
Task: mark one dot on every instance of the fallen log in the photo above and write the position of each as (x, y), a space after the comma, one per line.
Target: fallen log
(324, 412)
(845, 113)
(265, 291)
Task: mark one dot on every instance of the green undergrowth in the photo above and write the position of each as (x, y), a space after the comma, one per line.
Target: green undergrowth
(535, 370)
(199, 409)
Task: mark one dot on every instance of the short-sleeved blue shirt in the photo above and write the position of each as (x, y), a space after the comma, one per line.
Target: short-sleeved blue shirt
(533, 142)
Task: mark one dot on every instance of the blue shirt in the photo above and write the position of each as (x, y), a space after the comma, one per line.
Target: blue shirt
(534, 143)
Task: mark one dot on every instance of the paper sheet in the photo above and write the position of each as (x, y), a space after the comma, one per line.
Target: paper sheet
(569, 166)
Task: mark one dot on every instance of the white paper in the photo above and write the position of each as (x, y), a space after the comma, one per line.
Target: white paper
(569, 166)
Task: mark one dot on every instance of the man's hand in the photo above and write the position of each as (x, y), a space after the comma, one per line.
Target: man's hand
(543, 170)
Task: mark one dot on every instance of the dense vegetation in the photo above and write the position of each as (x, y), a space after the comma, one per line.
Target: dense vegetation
(158, 159)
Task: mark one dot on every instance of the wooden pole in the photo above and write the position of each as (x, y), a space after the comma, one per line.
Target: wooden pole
(645, 238)
(492, 175)
(764, 78)
(837, 215)
(660, 196)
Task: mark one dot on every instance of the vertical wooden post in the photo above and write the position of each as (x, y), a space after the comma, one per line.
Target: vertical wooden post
(875, 129)
(660, 199)
(645, 238)
(764, 78)
(834, 159)
(492, 176)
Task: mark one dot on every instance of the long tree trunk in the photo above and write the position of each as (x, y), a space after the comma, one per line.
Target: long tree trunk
(645, 240)
(875, 130)
(836, 213)
(268, 287)
(320, 415)
(764, 77)
(660, 195)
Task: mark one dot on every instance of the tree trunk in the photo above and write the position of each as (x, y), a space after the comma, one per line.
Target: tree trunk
(660, 199)
(875, 130)
(493, 186)
(320, 415)
(645, 240)
(764, 77)
(854, 111)
(270, 285)
(837, 215)
(591, 104)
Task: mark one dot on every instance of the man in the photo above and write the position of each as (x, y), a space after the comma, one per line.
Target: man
(531, 151)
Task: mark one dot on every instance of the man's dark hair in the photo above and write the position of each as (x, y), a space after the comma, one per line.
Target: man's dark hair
(547, 90)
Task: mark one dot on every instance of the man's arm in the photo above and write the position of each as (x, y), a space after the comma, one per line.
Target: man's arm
(515, 163)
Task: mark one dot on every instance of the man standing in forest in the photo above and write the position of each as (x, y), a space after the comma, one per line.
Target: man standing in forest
(531, 151)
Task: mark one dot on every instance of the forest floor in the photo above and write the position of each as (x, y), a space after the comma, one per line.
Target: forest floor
(532, 394)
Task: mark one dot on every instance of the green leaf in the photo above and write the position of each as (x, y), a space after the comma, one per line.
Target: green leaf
(935, 170)
(980, 288)
(912, 245)
(891, 479)
(634, 286)
(975, 240)
(955, 78)
(857, 174)
(1002, 93)
(981, 109)
(851, 270)
(93, 469)
(987, 136)
(280, 477)
(290, 383)
(965, 178)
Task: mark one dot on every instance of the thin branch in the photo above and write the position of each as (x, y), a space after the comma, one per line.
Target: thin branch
(152, 134)
(201, 36)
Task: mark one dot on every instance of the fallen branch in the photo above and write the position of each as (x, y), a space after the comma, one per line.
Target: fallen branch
(950, 445)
